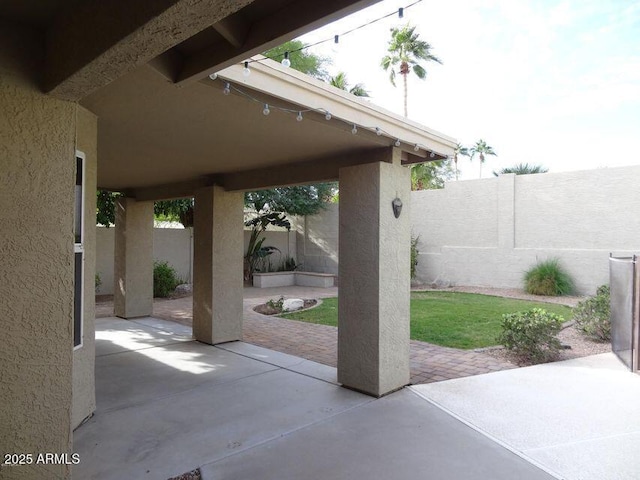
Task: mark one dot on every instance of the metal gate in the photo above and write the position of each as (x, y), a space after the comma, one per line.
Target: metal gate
(624, 281)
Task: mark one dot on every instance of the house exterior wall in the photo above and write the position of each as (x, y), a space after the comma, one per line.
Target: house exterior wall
(84, 398)
(37, 161)
(489, 232)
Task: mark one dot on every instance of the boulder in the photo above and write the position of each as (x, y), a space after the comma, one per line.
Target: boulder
(183, 290)
(292, 304)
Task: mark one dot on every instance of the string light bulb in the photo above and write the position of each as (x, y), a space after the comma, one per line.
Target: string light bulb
(227, 88)
(299, 117)
(433, 155)
(327, 116)
(213, 76)
(265, 110)
(400, 12)
(285, 61)
(245, 71)
(354, 130)
(336, 39)
(397, 142)
(378, 131)
(416, 147)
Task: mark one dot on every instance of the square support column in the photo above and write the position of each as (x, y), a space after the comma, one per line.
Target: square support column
(374, 246)
(133, 259)
(217, 265)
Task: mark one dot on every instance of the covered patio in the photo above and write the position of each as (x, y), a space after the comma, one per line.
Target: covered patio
(234, 132)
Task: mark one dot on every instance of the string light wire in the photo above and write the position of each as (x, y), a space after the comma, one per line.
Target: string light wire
(335, 38)
(267, 108)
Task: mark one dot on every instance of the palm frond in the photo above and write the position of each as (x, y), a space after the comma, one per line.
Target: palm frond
(420, 72)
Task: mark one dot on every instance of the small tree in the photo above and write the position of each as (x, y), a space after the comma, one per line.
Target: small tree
(431, 175)
(301, 59)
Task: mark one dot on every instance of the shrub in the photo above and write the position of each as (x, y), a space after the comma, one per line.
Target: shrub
(593, 315)
(414, 255)
(548, 278)
(276, 304)
(98, 283)
(531, 335)
(165, 279)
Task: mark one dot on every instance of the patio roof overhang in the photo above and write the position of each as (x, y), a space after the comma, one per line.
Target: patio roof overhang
(159, 141)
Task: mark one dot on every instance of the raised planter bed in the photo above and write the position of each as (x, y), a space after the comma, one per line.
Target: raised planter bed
(288, 279)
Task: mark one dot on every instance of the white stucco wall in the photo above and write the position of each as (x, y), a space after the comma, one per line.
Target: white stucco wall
(489, 232)
(317, 241)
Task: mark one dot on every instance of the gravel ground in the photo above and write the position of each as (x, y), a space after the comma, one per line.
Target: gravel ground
(580, 345)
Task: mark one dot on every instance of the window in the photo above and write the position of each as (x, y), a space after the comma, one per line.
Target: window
(78, 252)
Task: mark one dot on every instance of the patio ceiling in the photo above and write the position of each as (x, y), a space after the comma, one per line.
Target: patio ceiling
(159, 141)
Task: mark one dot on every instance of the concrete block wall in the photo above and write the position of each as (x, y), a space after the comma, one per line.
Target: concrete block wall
(175, 246)
(317, 241)
(489, 232)
(477, 232)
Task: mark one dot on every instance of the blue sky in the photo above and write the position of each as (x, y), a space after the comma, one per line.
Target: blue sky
(547, 82)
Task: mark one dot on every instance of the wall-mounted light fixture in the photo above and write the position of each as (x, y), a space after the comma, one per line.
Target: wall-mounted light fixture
(396, 204)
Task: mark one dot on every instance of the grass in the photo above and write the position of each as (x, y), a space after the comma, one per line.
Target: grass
(450, 319)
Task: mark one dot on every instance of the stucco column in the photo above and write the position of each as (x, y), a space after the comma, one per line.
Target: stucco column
(374, 246)
(217, 265)
(133, 259)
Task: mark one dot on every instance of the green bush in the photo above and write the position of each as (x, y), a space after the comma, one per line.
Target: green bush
(531, 335)
(165, 279)
(548, 278)
(276, 304)
(98, 282)
(593, 315)
(414, 255)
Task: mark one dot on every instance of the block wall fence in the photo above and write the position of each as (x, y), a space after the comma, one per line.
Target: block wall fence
(484, 232)
(489, 232)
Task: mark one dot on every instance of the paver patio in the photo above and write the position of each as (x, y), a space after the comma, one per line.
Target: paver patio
(429, 363)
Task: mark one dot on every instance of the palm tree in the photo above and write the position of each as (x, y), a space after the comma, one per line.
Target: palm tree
(407, 50)
(522, 169)
(340, 81)
(460, 150)
(482, 149)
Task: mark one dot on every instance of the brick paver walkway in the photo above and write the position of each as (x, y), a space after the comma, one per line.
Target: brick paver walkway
(429, 363)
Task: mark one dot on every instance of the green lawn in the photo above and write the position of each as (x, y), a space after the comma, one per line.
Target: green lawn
(458, 320)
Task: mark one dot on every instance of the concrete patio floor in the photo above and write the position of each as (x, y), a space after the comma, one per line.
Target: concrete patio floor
(579, 419)
(167, 404)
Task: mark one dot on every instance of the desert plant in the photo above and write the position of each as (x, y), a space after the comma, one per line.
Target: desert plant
(165, 279)
(276, 304)
(98, 283)
(414, 255)
(288, 264)
(593, 315)
(548, 278)
(531, 335)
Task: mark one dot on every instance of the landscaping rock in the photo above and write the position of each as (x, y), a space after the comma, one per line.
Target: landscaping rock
(183, 290)
(292, 304)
